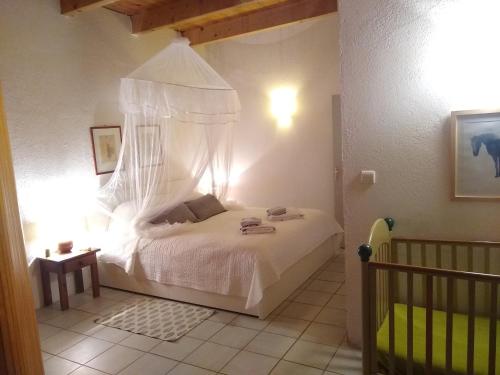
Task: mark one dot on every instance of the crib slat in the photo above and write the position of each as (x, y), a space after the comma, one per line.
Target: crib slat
(470, 260)
(390, 297)
(372, 277)
(428, 325)
(471, 315)
(493, 328)
(449, 323)
(409, 323)
(439, 280)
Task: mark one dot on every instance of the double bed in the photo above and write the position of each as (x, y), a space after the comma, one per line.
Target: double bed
(211, 263)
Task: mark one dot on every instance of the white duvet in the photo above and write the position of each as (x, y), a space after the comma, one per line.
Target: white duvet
(214, 256)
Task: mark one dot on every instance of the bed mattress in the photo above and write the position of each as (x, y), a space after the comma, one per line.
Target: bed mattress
(214, 256)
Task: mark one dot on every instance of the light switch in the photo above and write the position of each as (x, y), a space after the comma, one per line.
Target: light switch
(368, 177)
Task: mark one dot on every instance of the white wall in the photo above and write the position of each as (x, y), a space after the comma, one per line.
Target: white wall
(60, 76)
(405, 66)
(283, 166)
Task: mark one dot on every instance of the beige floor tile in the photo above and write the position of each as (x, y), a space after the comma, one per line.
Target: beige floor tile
(47, 313)
(59, 366)
(337, 302)
(45, 331)
(97, 305)
(149, 364)
(211, 356)
(301, 311)
(86, 350)
(270, 344)
(246, 363)
(79, 299)
(236, 337)
(185, 369)
(177, 350)
(46, 356)
(324, 334)
(111, 334)
(205, 330)
(278, 310)
(287, 326)
(294, 295)
(222, 316)
(324, 286)
(336, 317)
(117, 295)
(332, 276)
(115, 359)
(87, 371)
(310, 354)
(140, 342)
(347, 361)
(313, 298)
(336, 267)
(342, 290)
(61, 341)
(68, 318)
(290, 368)
(88, 326)
(250, 322)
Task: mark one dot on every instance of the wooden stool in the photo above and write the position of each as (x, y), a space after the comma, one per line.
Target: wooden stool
(61, 264)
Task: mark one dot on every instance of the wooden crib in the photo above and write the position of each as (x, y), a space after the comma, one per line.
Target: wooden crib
(429, 306)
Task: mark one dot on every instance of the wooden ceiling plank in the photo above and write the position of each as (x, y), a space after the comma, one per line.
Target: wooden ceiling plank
(73, 7)
(285, 13)
(174, 13)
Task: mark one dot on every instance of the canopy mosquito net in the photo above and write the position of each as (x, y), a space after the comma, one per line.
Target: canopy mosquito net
(177, 138)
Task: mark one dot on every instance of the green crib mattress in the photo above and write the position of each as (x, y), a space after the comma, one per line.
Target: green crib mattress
(481, 342)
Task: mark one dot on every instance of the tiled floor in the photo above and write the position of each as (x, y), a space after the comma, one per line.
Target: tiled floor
(304, 336)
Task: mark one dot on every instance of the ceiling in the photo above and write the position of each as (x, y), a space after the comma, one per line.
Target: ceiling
(205, 21)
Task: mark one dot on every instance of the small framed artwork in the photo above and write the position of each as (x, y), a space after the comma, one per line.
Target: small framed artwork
(475, 137)
(106, 145)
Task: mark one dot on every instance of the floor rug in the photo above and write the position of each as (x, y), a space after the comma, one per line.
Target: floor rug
(157, 318)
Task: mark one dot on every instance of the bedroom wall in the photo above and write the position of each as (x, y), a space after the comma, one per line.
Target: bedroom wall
(405, 66)
(60, 76)
(274, 166)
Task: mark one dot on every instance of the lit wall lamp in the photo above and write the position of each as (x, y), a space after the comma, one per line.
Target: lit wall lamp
(283, 105)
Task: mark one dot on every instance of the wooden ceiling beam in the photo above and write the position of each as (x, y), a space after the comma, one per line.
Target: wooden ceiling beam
(73, 7)
(289, 12)
(176, 14)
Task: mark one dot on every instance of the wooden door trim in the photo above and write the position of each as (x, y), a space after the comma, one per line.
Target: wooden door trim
(19, 338)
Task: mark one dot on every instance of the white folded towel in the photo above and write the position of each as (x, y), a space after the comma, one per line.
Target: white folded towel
(291, 214)
(278, 210)
(250, 222)
(258, 229)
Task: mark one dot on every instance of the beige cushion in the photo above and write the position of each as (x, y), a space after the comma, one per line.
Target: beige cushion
(205, 207)
(178, 214)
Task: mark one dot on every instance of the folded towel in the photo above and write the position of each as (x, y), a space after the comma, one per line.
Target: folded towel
(278, 210)
(259, 229)
(250, 222)
(291, 214)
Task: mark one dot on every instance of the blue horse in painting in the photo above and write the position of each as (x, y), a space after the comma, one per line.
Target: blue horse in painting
(492, 144)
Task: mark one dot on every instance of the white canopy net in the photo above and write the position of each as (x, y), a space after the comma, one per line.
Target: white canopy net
(177, 138)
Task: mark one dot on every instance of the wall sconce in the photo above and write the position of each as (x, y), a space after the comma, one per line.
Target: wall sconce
(283, 105)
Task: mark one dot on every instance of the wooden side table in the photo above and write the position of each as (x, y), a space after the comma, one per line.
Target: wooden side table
(61, 264)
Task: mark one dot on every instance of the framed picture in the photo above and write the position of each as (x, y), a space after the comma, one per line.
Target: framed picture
(106, 144)
(475, 139)
(149, 147)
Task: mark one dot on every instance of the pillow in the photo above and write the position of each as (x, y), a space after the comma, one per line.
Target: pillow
(178, 214)
(205, 207)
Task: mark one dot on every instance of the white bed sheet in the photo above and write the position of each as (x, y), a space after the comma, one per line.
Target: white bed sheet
(214, 256)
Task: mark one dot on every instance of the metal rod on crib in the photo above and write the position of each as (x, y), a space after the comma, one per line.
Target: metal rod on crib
(364, 252)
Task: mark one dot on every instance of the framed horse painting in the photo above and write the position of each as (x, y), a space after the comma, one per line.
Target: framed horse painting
(475, 139)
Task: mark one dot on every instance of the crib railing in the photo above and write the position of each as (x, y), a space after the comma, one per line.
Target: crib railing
(390, 275)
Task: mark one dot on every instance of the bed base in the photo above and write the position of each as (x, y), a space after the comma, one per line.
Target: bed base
(451, 276)
(113, 276)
